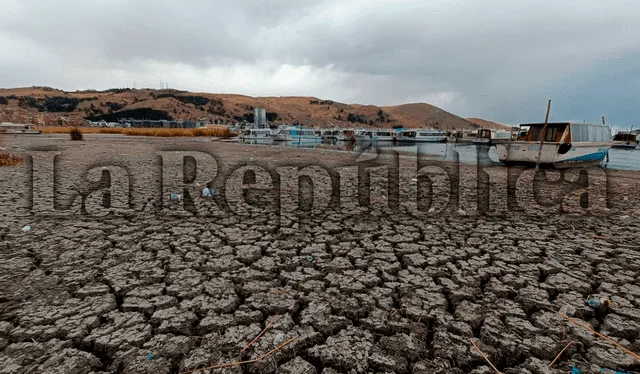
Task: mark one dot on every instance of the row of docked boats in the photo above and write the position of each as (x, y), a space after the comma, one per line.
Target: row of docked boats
(559, 144)
(301, 134)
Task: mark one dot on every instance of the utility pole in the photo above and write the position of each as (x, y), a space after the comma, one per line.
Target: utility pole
(544, 135)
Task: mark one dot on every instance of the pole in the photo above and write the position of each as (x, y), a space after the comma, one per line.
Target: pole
(544, 135)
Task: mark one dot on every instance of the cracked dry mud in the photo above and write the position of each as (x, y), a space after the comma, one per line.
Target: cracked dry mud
(373, 291)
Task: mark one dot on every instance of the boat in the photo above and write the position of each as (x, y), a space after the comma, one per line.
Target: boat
(566, 144)
(488, 136)
(297, 134)
(463, 137)
(261, 135)
(376, 135)
(625, 140)
(423, 135)
(340, 135)
(17, 128)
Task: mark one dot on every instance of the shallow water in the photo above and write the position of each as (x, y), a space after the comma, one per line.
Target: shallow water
(623, 159)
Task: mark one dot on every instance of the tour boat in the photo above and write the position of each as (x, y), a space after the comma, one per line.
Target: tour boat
(566, 144)
(263, 135)
(375, 135)
(341, 135)
(488, 136)
(16, 128)
(297, 134)
(423, 135)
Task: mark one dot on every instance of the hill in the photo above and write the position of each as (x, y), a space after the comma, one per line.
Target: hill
(51, 106)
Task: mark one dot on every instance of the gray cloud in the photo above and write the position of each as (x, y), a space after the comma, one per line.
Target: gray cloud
(496, 59)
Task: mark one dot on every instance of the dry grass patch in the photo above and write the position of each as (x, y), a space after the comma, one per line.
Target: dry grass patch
(7, 159)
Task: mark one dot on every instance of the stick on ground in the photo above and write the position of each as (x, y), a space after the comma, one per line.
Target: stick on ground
(482, 354)
(560, 354)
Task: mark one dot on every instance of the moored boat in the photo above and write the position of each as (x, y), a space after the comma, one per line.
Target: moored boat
(297, 134)
(423, 135)
(256, 135)
(625, 140)
(17, 128)
(566, 144)
(488, 136)
(376, 135)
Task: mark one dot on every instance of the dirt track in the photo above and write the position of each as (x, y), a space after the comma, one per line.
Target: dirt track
(363, 290)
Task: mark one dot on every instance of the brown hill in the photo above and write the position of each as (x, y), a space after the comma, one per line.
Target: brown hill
(483, 123)
(51, 106)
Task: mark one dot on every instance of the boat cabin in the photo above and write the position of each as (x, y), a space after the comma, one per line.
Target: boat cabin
(625, 137)
(565, 132)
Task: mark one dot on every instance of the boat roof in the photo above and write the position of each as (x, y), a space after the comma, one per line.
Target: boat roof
(563, 124)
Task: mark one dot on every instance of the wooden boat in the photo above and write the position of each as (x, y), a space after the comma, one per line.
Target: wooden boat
(566, 144)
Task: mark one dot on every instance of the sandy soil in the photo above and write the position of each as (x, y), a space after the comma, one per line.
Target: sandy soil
(364, 280)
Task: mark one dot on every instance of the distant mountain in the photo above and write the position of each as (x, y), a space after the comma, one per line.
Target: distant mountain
(483, 123)
(49, 105)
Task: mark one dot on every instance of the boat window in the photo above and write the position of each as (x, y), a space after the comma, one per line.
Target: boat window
(576, 135)
(593, 133)
(584, 130)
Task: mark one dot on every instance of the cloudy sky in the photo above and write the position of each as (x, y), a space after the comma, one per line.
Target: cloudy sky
(496, 59)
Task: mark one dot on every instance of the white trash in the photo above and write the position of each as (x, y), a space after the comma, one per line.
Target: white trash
(175, 197)
(208, 192)
(26, 228)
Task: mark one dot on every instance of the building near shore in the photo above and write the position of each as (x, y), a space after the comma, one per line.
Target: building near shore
(260, 118)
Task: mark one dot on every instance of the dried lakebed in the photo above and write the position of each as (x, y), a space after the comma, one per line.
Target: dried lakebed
(368, 290)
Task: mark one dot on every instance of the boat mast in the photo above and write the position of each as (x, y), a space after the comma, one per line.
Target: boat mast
(544, 135)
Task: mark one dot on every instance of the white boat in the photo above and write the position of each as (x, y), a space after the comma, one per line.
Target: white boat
(341, 135)
(262, 135)
(566, 144)
(488, 136)
(423, 135)
(625, 140)
(17, 128)
(297, 134)
(376, 135)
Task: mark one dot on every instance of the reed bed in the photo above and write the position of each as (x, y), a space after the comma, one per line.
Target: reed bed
(7, 159)
(219, 131)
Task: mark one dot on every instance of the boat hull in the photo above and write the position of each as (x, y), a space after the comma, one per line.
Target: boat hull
(22, 132)
(526, 153)
(365, 138)
(290, 138)
(430, 139)
(625, 145)
(256, 138)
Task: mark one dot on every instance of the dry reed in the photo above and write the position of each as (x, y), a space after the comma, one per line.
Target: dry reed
(560, 354)
(588, 328)
(260, 334)
(485, 357)
(220, 366)
(7, 159)
(219, 132)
